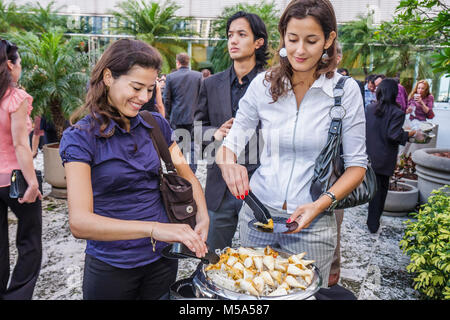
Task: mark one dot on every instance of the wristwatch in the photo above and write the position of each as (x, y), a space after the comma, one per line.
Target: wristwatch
(334, 201)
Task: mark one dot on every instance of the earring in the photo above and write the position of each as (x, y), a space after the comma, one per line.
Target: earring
(325, 56)
(283, 53)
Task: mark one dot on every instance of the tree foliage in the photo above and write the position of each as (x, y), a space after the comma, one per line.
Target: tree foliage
(55, 73)
(156, 24)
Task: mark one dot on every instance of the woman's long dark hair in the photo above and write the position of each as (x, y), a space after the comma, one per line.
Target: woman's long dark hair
(323, 12)
(119, 58)
(8, 51)
(386, 95)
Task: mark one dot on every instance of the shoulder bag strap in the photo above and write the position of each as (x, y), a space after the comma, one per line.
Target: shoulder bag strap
(158, 140)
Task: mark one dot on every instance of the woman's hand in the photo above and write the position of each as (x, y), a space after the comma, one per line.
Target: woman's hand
(408, 110)
(236, 178)
(202, 225)
(175, 232)
(304, 215)
(30, 195)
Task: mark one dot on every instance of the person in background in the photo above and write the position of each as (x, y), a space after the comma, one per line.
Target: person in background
(218, 103)
(112, 171)
(15, 153)
(37, 136)
(181, 93)
(343, 71)
(205, 73)
(384, 133)
(292, 101)
(369, 90)
(421, 101)
(402, 97)
(155, 104)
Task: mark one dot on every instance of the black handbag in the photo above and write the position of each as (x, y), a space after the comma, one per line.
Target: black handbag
(19, 185)
(329, 165)
(176, 192)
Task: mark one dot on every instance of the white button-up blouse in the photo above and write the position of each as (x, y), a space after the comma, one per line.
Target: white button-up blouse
(293, 137)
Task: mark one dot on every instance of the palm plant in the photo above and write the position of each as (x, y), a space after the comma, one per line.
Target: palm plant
(10, 19)
(268, 13)
(40, 19)
(155, 24)
(54, 73)
(357, 40)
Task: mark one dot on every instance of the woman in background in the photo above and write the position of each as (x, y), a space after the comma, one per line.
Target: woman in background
(384, 133)
(15, 153)
(421, 101)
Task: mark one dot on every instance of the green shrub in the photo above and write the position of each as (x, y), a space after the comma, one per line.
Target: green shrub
(427, 242)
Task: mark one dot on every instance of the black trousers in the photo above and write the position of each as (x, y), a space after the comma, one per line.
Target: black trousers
(376, 205)
(29, 247)
(102, 281)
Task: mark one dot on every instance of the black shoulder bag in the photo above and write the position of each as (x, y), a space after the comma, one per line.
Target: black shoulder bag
(176, 192)
(329, 166)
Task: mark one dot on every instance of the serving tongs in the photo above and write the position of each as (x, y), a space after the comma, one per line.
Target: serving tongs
(259, 210)
(262, 215)
(179, 251)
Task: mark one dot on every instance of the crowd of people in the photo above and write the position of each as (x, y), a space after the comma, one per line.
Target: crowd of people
(112, 167)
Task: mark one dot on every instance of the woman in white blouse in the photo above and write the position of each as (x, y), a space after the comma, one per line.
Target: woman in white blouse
(292, 100)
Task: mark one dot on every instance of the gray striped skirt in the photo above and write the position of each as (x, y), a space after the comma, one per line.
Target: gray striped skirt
(318, 240)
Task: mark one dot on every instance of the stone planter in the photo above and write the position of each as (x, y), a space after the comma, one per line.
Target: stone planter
(54, 170)
(433, 172)
(411, 182)
(400, 203)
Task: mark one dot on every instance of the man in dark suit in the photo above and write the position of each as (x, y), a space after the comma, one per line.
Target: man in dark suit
(218, 104)
(181, 93)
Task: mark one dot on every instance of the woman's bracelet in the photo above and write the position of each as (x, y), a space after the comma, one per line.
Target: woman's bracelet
(153, 241)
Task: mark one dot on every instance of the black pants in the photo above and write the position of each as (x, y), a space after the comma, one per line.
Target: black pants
(105, 282)
(29, 247)
(376, 205)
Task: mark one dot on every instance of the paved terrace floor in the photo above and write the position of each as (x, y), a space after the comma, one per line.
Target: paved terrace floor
(373, 266)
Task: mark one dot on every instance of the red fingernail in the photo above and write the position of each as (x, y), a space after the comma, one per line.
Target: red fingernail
(288, 220)
(246, 192)
(237, 197)
(242, 197)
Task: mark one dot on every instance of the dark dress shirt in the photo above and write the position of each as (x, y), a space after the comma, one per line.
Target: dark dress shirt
(238, 89)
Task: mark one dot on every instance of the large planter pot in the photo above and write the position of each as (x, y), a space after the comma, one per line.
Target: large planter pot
(400, 203)
(411, 182)
(54, 170)
(433, 172)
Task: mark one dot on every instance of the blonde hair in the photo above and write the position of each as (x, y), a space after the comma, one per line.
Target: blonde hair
(427, 89)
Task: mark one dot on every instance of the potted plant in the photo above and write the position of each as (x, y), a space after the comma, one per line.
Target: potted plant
(427, 242)
(55, 75)
(433, 170)
(401, 197)
(406, 170)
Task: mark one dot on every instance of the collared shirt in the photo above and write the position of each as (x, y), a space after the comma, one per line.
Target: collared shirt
(237, 89)
(125, 182)
(293, 137)
(419, 113)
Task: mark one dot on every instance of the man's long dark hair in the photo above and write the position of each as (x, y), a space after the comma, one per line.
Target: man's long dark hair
(8, 51)
(259, 31)
(386, 95)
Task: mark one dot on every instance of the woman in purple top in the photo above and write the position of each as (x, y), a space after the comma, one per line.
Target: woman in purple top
(113, 183)
(420, 103)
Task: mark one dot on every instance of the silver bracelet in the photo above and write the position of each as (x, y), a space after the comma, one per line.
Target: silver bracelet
(334, 201)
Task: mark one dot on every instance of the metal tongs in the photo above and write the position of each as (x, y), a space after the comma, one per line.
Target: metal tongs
(259, 210)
